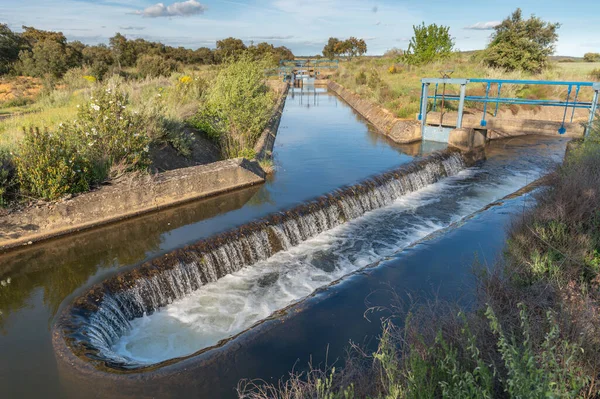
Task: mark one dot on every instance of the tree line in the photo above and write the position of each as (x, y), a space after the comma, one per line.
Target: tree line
(40, 53)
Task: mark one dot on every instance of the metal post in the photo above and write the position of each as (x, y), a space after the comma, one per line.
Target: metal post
(498, 99)
(575, 103)
(435, 97)
(461, 105)
(593, 109)
(487, 96)
(423, 112)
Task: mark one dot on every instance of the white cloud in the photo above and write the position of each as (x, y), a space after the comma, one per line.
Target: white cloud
(181, 9)
(490, 25)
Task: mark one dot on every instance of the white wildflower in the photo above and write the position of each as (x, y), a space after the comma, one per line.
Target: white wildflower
(95, 107)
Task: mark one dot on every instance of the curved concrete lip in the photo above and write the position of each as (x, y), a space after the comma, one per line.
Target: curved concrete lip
(84, 358)
(202, 358)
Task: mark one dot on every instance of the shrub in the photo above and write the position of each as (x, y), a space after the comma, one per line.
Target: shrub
(595, 74)
(238, 107)
(81, 153)
(112, 133)
(429, 43)
(50, 166)
(361, 78)
(374, 80)
(155, 66)
(8, 182)
(519, 44)
(591, 57)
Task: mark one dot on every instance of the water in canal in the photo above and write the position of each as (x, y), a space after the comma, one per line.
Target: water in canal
(321, 145)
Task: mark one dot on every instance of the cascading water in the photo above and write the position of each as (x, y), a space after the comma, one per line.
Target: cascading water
(99, 319)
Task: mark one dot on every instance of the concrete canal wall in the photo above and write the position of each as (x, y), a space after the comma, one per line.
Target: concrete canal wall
(125, 199)
(399, 130)
(264, 145)
(503, 126)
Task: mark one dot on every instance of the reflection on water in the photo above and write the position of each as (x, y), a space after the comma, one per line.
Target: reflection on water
(320, 146)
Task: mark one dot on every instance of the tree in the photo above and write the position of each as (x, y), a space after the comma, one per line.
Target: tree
(229, 48)
(591, 57)
(123, 50)
(330, 49)
(429, 43)
(350, 48)
(10, 45)
(355, 47)
(48, 57)
(204, 55)
(519, 44)
(99, 59)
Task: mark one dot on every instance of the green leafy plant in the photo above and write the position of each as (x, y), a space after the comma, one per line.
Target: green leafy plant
(429, 43)
(49, 165)
(238, 107)
(519, 44)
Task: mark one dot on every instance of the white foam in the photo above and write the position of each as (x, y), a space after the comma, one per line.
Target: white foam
(235, 302)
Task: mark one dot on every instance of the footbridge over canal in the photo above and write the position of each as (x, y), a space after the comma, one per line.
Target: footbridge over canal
(299, 71)
(572, 115)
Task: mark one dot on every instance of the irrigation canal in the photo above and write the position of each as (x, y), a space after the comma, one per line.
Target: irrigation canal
(321, 146)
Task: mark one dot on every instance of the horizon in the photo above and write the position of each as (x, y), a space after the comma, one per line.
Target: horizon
(303, 26)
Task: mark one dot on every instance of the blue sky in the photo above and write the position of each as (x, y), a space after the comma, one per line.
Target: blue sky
(302, 25)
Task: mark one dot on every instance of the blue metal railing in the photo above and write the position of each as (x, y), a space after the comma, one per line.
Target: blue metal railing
(570, 103)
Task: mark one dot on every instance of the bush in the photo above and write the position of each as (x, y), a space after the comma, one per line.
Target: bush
(8, 182)
(81, 153)
(112, 133)
(591, 57)
(238, 107)
(361, 78)
(374, 80)
(155, 66)
(595, 74)
(50, 166)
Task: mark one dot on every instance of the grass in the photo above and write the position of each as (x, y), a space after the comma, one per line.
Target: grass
(400, 91)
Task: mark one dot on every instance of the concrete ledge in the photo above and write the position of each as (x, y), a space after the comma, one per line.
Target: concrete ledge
(400, 131)
(264, 145)
(126, 199)
(467, 139)
(498, 128)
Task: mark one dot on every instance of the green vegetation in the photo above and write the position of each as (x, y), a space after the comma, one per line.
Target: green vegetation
(238, 107)
(79, 154)
(348, 48)
(591, 57)
(531, 334)
(46, 54)
(430, 43)
(519, 44)
(397, 86)
(88, 114)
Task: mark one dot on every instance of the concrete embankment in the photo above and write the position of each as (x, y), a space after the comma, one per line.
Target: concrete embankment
(264, 145)
(125, 199)
(399, 130)
(503, 126)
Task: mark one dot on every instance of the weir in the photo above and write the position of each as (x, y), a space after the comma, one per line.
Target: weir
(96, 320)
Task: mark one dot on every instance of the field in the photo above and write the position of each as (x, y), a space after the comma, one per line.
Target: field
(397, 87)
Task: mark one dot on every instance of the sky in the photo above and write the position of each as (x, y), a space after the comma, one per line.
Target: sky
(302, 25)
